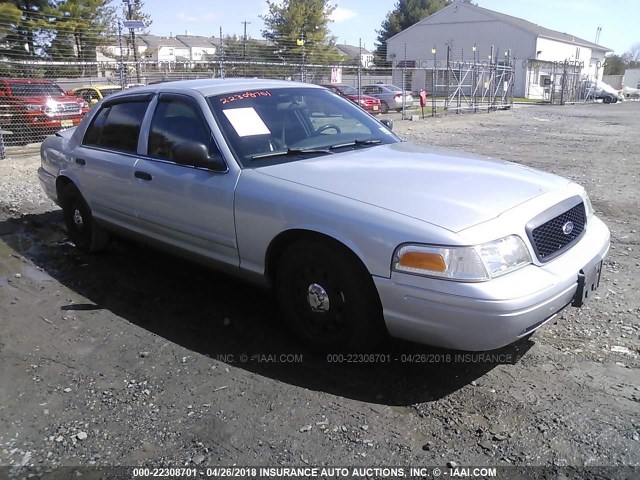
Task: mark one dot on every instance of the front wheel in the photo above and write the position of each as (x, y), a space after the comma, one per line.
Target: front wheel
(328, 298)
(83, 230)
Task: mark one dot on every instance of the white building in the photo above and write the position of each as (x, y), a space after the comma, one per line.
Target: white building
(166, 49)
(181, 48)
(358, 54)
(537, 52)
(631, 78)
(119, 47)
(200, 48)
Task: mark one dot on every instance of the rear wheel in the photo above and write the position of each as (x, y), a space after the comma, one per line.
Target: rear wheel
(83, 230)
(328, 298)
(607, 99)
(384, 107)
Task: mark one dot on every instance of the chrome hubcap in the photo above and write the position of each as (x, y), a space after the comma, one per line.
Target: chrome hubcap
(318, 298)
(77, 218)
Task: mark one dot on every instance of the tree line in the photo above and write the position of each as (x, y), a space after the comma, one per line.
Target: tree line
(73, 29)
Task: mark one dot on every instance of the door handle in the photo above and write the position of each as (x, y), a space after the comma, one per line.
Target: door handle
(143, 175)
(81, 161)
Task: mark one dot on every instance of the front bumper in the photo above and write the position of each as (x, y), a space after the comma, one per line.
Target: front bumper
(48, 184)
(488, 315)
(42, 123)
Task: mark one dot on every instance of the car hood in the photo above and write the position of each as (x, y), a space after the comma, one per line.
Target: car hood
(41, 99)
(450, 189)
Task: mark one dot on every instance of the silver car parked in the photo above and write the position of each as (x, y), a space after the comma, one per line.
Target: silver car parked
(390, 96)
(358, 232)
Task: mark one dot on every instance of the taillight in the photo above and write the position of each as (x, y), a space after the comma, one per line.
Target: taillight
(398, 96)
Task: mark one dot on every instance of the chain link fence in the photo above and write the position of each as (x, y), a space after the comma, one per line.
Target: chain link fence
(39, 96)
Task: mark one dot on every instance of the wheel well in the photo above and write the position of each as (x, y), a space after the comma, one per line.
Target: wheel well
(285, 239)
(61, 184)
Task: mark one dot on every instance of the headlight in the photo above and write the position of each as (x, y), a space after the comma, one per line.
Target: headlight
(466, 264)
(587, 206)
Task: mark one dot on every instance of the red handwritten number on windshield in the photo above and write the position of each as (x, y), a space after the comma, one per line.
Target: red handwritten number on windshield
(244, 96)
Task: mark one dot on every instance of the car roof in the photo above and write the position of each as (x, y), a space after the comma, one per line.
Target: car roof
(99, 87)
(217, 86)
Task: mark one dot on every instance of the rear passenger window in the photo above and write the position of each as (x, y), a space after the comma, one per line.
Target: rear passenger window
(117, 127)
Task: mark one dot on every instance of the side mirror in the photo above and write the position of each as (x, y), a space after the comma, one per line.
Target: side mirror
(197, 155)
(387, 122)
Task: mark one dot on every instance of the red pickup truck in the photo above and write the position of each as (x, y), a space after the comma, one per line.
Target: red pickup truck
(31, 109)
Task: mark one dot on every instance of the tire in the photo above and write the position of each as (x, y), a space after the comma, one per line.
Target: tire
(83, 230)
(385, 107)
(328, 298)
(607, 99)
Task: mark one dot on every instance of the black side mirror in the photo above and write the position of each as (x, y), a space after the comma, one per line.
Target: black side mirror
(197, 155)
(387, 122)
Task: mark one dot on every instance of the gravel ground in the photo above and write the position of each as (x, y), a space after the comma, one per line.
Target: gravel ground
(136, 358)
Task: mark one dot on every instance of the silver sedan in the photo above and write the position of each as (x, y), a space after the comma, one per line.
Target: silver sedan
(390, 96)
(359, 233)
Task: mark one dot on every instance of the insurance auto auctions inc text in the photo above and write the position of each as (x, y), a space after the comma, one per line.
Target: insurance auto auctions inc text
(366, 472)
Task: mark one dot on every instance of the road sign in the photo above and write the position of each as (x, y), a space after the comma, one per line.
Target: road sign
(138, 24)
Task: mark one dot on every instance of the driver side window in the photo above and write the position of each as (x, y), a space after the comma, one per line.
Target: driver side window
(175, 122)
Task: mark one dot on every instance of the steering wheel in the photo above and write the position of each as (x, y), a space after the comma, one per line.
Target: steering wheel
(329, 126)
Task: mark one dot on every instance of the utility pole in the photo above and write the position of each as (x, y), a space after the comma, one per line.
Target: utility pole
(133, 37)
(221, 55)
(121, 65)
(244, 46)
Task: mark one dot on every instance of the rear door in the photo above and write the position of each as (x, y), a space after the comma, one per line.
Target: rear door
(104, 162)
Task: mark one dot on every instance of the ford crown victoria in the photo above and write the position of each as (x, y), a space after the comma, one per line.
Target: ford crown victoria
(358, 233)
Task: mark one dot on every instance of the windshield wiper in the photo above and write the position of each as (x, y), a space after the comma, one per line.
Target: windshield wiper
(372, 141)
(289, 152)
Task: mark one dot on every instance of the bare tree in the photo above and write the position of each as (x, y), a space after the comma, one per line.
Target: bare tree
(633, 54)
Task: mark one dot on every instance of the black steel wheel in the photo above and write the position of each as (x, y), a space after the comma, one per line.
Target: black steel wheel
(83, 230)
(328, 298)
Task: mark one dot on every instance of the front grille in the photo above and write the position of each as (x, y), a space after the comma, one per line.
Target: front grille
(558, 234)
(68, 108)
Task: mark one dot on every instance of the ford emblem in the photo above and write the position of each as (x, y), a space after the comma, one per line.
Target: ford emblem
(567, 228)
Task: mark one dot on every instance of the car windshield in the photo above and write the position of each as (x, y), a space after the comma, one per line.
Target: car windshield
(278, 125)
(36, 90)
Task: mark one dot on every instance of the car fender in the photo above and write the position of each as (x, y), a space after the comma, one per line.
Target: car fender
(268, 207)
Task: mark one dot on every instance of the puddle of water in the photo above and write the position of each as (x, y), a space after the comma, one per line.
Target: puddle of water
(10, 265)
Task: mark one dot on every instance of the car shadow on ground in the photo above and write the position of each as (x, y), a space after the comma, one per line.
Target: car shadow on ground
(235, 322)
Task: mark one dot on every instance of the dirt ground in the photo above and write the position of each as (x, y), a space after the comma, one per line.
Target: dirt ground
(135, 358)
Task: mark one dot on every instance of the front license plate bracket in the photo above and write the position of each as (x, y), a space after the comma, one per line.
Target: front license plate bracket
(588, 283)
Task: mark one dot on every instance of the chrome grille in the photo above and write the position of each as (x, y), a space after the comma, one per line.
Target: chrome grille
(558, 234)
(66, 108)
